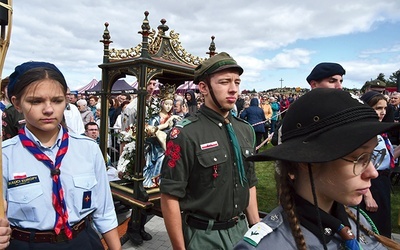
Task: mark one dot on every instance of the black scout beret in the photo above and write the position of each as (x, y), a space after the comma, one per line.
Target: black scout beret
(324, 70)
(215, 64)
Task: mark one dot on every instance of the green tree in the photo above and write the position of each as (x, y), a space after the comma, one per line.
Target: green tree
(392, 81)
(381, 77)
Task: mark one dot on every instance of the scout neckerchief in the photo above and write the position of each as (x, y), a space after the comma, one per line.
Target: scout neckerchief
(237, 151)
(58, 193)
(389, 149)
(338, 222)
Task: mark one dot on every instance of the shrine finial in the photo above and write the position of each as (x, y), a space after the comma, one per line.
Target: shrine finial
(212, 47)
(106, 42)
(162, 28)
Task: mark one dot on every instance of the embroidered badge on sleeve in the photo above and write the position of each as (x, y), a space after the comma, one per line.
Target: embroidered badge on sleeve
(173, 152)
(256, 233)
(174, 133)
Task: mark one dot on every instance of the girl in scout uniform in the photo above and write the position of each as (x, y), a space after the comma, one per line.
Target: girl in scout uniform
(55, 183)
(325, 163)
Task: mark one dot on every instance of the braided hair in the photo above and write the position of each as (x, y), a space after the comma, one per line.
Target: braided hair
(286, 198)
(389, 243)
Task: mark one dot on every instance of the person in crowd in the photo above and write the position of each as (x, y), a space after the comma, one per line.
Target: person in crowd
(163, 122)
(72, 117)
(240, 103)
(98, 114)
(275, 113)
(323, 75)
(394, 105)
(92, 131)
(256, 117)
(283, 105)
(93, 100)
(325, 165)
(12, 120)
(113, 105)
(51, 201)
(122, 98)
(266, 107)
(326, 75)
(380, 87)
(4, 102)
(86, 113)
(245, 106)
(129, 114)
(207, 189)
(180, 108)
(376, 202)
(374, 85)
(72, 98)
(191, 101)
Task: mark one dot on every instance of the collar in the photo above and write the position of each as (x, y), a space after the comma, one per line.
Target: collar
(213, 115)
(38, 143)
(330, 222)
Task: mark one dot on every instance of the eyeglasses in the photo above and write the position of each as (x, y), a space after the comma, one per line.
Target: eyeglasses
(362, 162)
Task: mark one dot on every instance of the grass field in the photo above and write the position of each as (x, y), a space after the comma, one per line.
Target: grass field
(267, 198)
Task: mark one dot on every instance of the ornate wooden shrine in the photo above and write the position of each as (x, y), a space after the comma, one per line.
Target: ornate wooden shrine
(158, 56)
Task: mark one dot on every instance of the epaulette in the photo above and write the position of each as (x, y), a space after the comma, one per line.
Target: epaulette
(184, 122)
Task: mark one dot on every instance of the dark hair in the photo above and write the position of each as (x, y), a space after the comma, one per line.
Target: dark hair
(375, 99)
(90, 124)
(128, 96)
(94, 97)
(37, 74)
(124, 103)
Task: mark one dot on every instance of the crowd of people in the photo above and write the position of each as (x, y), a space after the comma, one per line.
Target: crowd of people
(334, 152)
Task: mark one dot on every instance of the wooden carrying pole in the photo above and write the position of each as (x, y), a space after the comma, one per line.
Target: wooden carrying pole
(5, 35)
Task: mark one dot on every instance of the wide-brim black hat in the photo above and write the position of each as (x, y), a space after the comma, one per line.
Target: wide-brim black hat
(325, 125)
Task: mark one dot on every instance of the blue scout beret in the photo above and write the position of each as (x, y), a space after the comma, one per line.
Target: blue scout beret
(23, 68)
(324, 70)
(215, 64)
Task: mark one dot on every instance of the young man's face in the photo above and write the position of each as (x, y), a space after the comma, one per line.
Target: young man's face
(333, 82)
(225, 85)
(92, 131)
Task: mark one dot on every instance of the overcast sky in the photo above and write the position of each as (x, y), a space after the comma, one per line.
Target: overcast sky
(271, 40)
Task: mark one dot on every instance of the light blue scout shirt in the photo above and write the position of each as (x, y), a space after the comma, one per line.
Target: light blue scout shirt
(382, 146)
(27, 184)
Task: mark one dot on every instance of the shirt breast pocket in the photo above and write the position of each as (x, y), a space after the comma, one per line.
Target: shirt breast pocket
(84, 194)
(215, 169)
(24, 202)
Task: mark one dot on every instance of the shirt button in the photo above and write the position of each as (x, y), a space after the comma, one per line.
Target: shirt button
(215, 159)
(235, 205)
(236, 185)
(220, 124)
(25, 198)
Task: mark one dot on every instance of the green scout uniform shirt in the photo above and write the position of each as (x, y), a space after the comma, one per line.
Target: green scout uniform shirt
(199, 165)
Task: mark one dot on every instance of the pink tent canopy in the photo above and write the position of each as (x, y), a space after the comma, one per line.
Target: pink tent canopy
(188, 85)
(90, 85)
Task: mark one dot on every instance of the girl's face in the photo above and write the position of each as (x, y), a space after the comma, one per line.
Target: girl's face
(167, 105)
(42, 104)
(380, 109)
(335, 180)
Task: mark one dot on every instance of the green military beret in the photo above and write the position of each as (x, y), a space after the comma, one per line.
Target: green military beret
(215, 64)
